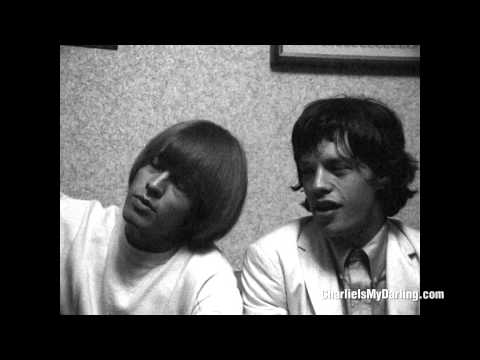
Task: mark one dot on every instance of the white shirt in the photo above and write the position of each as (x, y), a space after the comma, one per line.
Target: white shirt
(376, 253)
(101, 273)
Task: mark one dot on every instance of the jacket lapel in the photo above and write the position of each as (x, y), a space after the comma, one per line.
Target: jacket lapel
(403, 269)
(318, 270)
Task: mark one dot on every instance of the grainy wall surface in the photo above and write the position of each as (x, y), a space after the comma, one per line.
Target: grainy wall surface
(113, 102)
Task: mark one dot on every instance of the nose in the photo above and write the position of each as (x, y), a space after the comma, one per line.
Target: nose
(321, 183)
(157, 184)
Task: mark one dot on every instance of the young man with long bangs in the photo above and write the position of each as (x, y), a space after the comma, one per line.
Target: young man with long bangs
(157, 256)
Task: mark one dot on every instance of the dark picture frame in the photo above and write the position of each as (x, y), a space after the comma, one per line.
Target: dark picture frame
(400, 60)
(106, 47)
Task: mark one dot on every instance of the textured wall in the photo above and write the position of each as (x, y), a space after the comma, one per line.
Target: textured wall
(113, 102)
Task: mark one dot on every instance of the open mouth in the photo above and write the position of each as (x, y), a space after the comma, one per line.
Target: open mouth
(324, 206)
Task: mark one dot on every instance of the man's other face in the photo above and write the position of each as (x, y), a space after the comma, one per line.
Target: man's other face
(155, 205)
(340, 196)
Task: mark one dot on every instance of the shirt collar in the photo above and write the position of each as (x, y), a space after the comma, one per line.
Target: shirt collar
(375, 250)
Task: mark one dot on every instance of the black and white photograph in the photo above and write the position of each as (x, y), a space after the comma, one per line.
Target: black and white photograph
(240, 180)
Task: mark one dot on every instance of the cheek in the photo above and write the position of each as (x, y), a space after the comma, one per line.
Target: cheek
(174, 209)
(172, 219)
(184, 210)
(361, 196)
(138, 181)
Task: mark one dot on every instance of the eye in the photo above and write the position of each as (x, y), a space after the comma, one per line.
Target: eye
(180, 185)
(157, 163)
(340, 170)
(305, 171)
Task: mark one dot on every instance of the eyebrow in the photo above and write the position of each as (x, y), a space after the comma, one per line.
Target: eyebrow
(339, 161)
(328, 162)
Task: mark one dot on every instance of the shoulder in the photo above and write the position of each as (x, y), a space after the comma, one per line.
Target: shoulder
(279, 243)
(283, 236)
(407, 230)
(413, 235)
(208, 285)
(210, 268)
(208, 263)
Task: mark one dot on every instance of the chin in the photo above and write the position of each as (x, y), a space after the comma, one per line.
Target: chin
(132, 218)
(333, 228)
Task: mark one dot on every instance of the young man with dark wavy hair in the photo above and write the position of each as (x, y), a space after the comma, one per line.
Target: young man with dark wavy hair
(349, 256)
(157, 256)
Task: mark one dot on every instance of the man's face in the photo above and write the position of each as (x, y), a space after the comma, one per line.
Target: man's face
(155, 208)
(342, 200)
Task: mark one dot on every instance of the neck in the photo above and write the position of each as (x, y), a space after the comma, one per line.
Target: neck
(145, 242)
(364, 236)
(359, 237)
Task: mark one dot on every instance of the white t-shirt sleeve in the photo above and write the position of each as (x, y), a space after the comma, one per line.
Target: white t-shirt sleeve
(72, 213)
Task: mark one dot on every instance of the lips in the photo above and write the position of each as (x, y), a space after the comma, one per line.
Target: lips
(326, 205)
(145, 202)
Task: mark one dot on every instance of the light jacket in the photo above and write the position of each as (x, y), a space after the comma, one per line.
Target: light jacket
(290, 271)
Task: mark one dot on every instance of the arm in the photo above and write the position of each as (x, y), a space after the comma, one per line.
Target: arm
(71, 215)
(72, 212)
(262, 284)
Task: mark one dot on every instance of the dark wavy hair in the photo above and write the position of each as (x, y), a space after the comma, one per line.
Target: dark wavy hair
(367, 131)
(209, 164)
